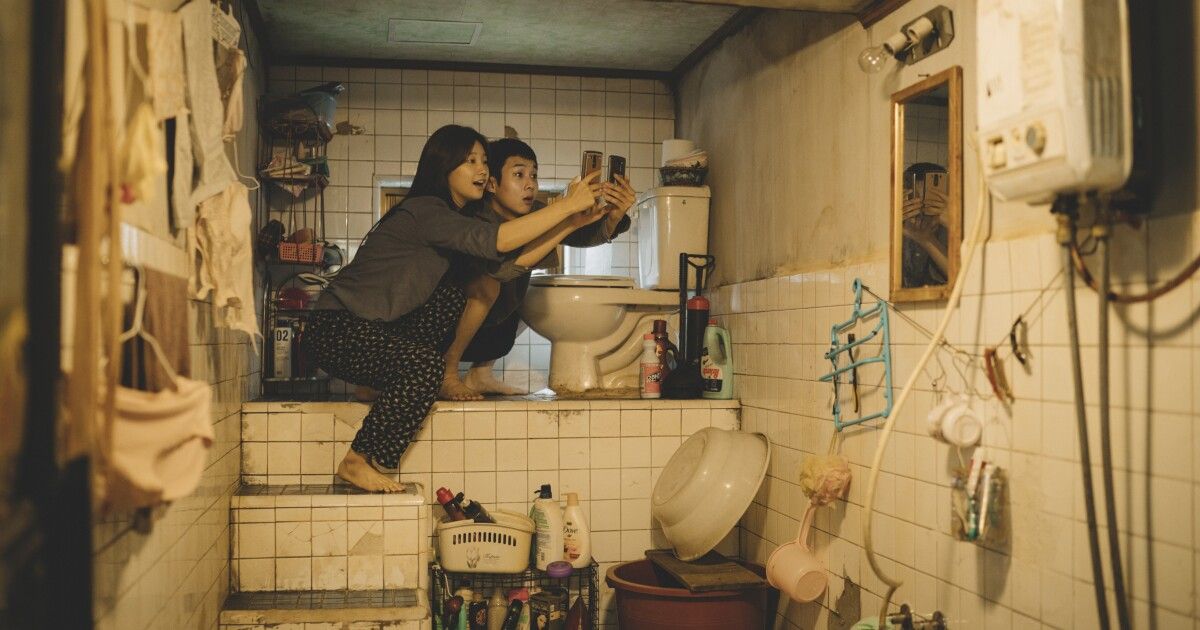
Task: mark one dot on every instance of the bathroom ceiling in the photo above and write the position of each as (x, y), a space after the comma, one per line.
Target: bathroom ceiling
(639, 36)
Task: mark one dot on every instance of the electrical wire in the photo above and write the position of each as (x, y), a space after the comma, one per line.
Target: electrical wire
(984, 203)
(1131, 298)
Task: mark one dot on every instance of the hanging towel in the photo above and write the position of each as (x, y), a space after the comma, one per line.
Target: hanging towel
(204, 102)
(74, 89)
(220, 258)
(168, 83)
(164, 318)
(231, 70)
(183, 209)
(160, 443)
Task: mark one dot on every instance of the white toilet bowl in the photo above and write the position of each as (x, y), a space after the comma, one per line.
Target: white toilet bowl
(595, 326)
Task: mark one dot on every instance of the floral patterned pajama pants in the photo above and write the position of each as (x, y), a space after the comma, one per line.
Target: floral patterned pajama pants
(401, 359)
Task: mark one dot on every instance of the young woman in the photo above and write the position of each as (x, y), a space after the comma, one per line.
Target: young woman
(385, 319)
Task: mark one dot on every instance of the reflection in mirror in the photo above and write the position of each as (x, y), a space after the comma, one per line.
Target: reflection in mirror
(927, 195)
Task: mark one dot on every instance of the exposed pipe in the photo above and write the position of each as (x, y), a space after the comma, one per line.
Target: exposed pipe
(1101, 231)
(1066, 236)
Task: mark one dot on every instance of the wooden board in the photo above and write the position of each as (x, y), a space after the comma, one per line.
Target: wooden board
(711, 572)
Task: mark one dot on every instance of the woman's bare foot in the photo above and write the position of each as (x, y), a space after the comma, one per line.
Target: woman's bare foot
(454, 389)
(362, 393)
(358, 471)
(483, 380)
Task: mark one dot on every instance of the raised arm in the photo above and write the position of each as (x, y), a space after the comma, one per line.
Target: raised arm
(581, 195)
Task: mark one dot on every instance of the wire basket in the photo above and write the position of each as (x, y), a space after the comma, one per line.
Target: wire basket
(682, 175)
(582, 584)
(302, 253)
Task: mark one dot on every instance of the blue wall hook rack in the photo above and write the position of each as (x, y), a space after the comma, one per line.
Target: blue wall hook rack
(837, 349)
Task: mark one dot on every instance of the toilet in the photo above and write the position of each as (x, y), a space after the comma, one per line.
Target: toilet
(595, 324)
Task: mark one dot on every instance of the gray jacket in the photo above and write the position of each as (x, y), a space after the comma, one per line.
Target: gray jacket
(404, 257)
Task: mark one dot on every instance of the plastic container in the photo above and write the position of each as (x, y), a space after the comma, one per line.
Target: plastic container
(716, 363)
(548, 521)
(577, 538)
(500, 547)
(648, 598)
(651, 368)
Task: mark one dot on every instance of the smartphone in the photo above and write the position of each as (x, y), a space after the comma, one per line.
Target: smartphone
(592, 161)
(616, 166)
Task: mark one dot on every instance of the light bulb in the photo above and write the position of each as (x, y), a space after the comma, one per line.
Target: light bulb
(873, 59)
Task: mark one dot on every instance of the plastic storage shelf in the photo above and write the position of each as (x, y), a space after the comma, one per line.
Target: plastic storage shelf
(583, 583)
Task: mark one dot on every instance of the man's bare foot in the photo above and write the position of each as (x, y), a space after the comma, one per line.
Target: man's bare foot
(357, 470)
(454, 389)
(483, 380)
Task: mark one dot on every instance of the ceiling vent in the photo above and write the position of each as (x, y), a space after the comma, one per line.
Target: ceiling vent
(402, 31)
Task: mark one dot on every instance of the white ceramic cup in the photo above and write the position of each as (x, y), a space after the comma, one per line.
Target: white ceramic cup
(954, 422)
(794, 569)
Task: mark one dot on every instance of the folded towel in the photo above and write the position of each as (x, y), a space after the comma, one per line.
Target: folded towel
(694, 159)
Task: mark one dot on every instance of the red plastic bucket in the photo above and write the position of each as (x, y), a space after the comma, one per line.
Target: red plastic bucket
(649, 598)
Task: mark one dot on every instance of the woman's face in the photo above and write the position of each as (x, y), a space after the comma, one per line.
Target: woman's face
(468, 180)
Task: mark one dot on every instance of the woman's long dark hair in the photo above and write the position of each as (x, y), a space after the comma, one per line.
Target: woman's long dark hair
(444, 151)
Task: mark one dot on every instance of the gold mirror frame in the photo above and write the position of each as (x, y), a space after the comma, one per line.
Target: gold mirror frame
(952, 79)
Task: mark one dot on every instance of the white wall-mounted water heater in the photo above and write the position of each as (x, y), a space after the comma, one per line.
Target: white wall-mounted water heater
(1054, 96)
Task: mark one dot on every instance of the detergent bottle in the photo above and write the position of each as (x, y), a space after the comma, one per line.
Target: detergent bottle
(716, 362)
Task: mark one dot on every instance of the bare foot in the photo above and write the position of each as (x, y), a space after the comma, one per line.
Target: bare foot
(483, 380)
(362, 393)
(454, 389)
(357, 470)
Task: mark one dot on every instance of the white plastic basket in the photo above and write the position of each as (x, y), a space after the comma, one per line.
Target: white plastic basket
(500, 547)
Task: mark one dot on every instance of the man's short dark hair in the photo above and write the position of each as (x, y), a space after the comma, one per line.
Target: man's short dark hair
(498, 152)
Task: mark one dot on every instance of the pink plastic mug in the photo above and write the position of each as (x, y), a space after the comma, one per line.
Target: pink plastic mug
(794, 569)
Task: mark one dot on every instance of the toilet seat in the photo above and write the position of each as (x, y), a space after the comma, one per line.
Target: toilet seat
(571, 280)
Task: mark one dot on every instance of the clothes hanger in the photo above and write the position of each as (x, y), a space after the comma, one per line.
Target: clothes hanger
(136, 329)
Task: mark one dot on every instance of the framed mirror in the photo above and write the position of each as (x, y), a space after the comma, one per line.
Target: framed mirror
(926, 225)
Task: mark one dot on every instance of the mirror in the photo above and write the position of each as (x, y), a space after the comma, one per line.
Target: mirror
(926, 187)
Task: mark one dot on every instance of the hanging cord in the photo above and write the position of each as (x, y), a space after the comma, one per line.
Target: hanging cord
(1066, 235)
(1101, 231)
(1131, 298)
(939, 333)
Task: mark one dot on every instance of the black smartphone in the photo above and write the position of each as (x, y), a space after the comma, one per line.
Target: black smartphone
(616, 166)
(592, 161)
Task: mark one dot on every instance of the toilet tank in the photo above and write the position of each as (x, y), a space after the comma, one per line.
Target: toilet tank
(671, 220)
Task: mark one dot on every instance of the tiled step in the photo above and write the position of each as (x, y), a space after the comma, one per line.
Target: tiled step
(390, 609)
(328, 537)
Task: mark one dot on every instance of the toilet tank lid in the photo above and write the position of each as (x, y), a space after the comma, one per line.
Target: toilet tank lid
(702, 192)
(571, 280)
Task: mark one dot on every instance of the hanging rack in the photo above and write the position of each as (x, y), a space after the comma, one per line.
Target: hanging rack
(837, 349)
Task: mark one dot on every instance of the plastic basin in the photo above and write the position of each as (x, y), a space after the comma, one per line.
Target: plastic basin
(649, 598)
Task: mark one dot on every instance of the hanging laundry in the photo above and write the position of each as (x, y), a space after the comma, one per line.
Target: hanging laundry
(183, 209)
(168, 82)
(141, 156)
(166, 304)
(220, 257)
(204, 102)
(231, 70)
(74, 88)
(160, 443)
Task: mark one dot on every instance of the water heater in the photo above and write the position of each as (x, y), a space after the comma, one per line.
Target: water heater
(1054, 96)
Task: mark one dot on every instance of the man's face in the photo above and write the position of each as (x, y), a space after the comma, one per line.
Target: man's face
(517, 185)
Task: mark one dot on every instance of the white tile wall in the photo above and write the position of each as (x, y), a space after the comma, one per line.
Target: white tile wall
(498, 453)
(328, 542)
(780, 328)
(559, 116)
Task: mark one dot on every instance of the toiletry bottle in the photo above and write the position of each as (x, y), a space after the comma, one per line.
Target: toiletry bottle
(464, 615)
(478, 619)
(548, 524)
(668, 354)
(453, 511)
(473, 509)
(497, 610)
(577, 540)
(651, 382)
(716, 362)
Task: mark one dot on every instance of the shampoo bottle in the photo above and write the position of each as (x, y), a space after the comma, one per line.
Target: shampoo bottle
(577, 540)
(548, 528)
(496, 611)
(651, 381)
(716, 362)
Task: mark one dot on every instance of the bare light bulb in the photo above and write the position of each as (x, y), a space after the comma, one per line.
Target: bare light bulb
(873, 59)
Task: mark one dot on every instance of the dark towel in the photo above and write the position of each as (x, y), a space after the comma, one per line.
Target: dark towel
(166, 320)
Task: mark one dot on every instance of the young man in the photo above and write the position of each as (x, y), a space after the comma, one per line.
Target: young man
(490, 320)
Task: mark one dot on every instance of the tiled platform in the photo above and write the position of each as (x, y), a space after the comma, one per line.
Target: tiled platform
(388, 609)
(329, 536)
